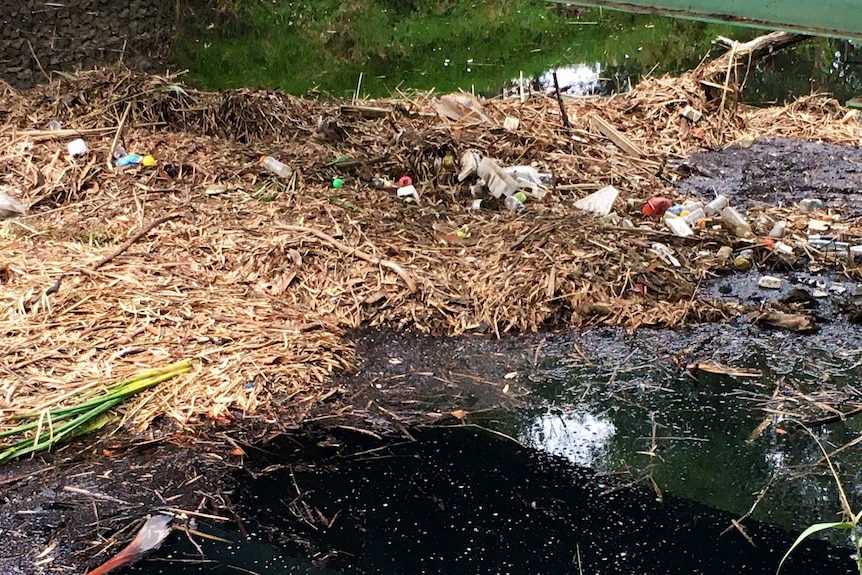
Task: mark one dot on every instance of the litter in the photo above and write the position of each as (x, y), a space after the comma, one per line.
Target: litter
(601, 202)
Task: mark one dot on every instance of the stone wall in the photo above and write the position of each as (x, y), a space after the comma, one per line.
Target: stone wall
(78, 34)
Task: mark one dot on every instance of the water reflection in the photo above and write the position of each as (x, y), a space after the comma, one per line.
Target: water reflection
(573, 433)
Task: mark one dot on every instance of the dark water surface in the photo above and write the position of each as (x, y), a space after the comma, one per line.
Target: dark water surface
(624, 463)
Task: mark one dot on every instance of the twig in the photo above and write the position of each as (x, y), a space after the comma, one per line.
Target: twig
(408, 279)
(128, 243)
(117, 135)
(38, 63)
(560, 101)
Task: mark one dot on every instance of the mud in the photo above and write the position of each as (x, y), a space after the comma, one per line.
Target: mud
(59, 515)
(779, 171)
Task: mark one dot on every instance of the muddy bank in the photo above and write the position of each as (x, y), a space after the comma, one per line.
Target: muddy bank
(779, 171)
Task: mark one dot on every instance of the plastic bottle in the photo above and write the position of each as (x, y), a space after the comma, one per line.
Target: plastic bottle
(735, 222)
(695, 216)
(715, 206)
(514, 204)
(276, 167)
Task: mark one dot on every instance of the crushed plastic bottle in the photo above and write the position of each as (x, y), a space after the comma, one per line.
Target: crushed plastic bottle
(279, 169)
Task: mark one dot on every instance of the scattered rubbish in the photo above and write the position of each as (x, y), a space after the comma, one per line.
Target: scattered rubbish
(476, 205)
(600, 202)
(770, 282)
(810, 204)
(819, 225)
(783, 248)
(408, 193)
(714, 207)
(742, 263)
(779, 229)
(724, 253)
(511, 124)
(691, 114)
(695, 216)
(118, 152)
(129, 160)
(529, 177)
(55, 125)
(735, 222)
(77, 147)
(498, 182)
(677, 225)
(404, 181)
(469, 165)
(665, 253)
(656, 206)
(10, 207)
(148, 161)
(461, 105)
(215, 189)
(514, 204)
(819, 294)
(279, 169)
(337, 183)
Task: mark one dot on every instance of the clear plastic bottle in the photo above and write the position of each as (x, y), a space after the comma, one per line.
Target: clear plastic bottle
(735, 222)
(276, 167)
(514, 204)
(695, 216)
(715, 206)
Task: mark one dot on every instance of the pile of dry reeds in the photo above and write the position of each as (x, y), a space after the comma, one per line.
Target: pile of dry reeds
(206, 256)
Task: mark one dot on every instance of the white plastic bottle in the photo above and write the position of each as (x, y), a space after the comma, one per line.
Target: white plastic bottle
(276, 167)
(715, 206)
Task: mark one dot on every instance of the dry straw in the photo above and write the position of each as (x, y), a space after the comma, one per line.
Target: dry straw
(256, 279)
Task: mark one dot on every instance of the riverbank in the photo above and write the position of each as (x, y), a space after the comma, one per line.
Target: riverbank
(207, 256)
(256, 278)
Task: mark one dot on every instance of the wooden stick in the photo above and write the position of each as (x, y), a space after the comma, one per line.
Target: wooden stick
(411, 284)
(560, 101)
(128, 243)
(617, 138)
(117, 135)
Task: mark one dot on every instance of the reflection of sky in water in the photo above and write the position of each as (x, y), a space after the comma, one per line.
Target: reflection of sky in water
(577, 80)
(579, 437)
